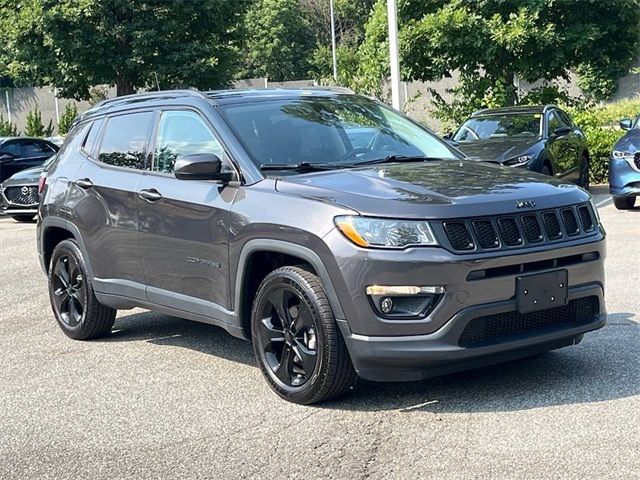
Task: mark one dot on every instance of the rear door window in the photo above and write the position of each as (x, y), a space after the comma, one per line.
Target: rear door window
(12, 148)
(125, 140)
(90, 141)
(36, 150)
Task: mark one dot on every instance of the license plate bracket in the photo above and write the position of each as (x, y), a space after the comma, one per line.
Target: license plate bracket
(541, 291)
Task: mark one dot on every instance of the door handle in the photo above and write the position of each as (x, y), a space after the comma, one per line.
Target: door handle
(84, 183)
(150, 195)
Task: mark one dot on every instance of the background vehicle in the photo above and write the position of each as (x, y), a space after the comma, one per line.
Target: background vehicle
(543, 139)
(19, 194)
(19, 153)
(624, 166)
(258, 212)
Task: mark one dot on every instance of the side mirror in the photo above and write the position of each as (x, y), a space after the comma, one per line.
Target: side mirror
(560, 131)
(6, 157)
(626, 124)
(201, 166)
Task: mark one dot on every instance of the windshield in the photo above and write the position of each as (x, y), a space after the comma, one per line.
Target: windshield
(511, 125)
(335, 131)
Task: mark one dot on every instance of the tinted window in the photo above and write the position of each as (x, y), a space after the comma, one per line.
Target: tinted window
(554, 122)
(182, 133)
(124, 143)
(36, 149)
(13, 148)
(90, 140)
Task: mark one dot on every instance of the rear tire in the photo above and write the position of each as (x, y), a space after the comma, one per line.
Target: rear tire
(299, 349)
(74, 304)
(624, 203)
(23, 218)
(583, 181)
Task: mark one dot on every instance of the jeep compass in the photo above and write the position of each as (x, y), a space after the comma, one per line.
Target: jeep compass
(339, 236)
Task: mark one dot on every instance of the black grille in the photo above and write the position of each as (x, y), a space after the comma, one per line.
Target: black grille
(532, 231)
(551, 225)
(519, 230)
(509, 231)
(509, 326)
(22, 195)
(486, 234)
(636, 160)
(570, 222)
(458, 235)
(585, 218)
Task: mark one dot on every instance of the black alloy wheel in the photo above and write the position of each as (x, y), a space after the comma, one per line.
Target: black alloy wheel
(75, 306)
(288, 337)
(69, 291)
(296, 339)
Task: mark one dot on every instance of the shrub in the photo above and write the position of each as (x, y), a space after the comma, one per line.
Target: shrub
(600, 125)
(34, 126)
(67, 118)
(7, 129)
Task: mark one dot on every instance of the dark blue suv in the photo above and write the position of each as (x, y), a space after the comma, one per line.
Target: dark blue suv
(624, 167)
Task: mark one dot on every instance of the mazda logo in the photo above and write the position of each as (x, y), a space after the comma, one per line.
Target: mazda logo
(24, 190)
(525, 204)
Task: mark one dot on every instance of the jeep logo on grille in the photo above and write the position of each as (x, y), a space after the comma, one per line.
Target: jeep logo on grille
(24, 190)
(525, 204)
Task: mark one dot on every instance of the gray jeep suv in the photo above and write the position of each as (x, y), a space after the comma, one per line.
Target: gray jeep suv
(339, 236)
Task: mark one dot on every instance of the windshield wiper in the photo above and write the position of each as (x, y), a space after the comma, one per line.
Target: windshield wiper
(395, 158)
(300, 167)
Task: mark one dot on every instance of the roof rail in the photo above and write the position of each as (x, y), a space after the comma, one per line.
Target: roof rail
(147, 96)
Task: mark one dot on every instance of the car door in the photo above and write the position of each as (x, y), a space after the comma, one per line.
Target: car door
(562, 147)
(104, 200)
(10, 158)
(183, 224)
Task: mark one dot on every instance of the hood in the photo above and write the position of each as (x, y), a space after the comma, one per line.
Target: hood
(497, 149)
(434, 189)
(630, 142)
(28, 176)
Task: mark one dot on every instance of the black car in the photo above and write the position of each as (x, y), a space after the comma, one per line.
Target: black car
(541, 138)
(19, 194)
(624, 166)
(271, 214)
(19, 153)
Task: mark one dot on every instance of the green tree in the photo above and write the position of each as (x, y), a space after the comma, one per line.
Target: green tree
(489, 41)
(7, 129)
(278, 43)
(75, 44)
(34, 126)
(67, 118)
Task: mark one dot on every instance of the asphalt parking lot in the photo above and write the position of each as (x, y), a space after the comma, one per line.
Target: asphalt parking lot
(169, 398)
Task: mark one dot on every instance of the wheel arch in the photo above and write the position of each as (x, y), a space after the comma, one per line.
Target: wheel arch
(55, 230)
(259, 257)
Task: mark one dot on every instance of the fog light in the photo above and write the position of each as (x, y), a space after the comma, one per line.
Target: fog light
(386, 305)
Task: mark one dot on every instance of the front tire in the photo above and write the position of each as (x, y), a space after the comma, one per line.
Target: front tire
(624, 203)
(77, 311)
(296, 340)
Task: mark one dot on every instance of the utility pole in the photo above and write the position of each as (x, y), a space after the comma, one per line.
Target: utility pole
(333, 42)
(392, 15)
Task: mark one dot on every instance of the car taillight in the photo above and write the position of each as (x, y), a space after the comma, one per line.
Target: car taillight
(42, 181)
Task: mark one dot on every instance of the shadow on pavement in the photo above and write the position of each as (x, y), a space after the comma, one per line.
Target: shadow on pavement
(605, 366)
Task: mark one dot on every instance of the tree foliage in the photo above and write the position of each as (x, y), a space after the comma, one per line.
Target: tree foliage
(67, 118)
(7, 129)
(278, 42)
(34, 126)
(489, 41)
(75, 44)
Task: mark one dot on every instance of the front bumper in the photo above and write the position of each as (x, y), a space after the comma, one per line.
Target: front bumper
(11, 210)
(623, 179)
(417, 357)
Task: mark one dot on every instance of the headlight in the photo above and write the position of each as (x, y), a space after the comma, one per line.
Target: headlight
(381, 232)
(518, 161)
(620, 154)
